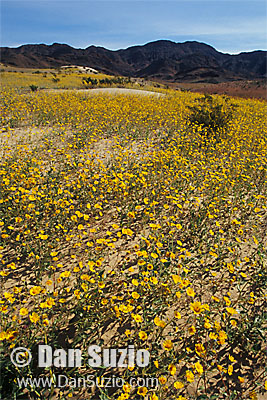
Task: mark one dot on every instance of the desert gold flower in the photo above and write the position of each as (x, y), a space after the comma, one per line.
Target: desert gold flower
(222, 337)
(142, 391)
(233, 322)
(230, 370)
(177, 315)
(189, 376)
(35, 290)
(172, 368)
(142, 335)
(231, 310)
(34, 317)
(159, 322)
(200, 349)
(23, 311)
(192, 330)
(190, 292)
(162, 380)
(178, 385)
(154, 255)
(199, 368)
(138, 318)
(176, 279)
(127, 232)
(196, 307)
(65, 274)
(167, 345)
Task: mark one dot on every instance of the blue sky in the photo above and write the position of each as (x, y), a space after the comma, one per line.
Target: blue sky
(229, 25)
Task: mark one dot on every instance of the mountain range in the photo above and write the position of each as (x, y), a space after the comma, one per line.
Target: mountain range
(162, 60)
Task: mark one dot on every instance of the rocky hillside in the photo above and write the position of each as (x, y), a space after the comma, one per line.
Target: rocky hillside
(163, 60)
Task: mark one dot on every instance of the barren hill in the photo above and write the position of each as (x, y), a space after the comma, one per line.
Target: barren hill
(164, 60)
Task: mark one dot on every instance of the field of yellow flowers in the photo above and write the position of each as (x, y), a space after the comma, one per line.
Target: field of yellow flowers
(23, 79)
(120, 226)
(52, 79)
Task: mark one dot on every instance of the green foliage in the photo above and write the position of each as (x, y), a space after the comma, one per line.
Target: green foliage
(213, 116)
(91, 82)
(33, 88)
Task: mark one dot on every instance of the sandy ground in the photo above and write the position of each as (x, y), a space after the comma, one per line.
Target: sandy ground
(108, 91)
(124, 91)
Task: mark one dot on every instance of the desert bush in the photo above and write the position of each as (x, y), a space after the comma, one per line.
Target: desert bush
(90, 82)
(33, 88)
(212, 115)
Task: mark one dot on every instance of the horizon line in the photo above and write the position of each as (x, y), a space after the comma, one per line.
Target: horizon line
(125, 48)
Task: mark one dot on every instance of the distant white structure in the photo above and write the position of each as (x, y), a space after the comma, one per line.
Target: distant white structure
(87, 70)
